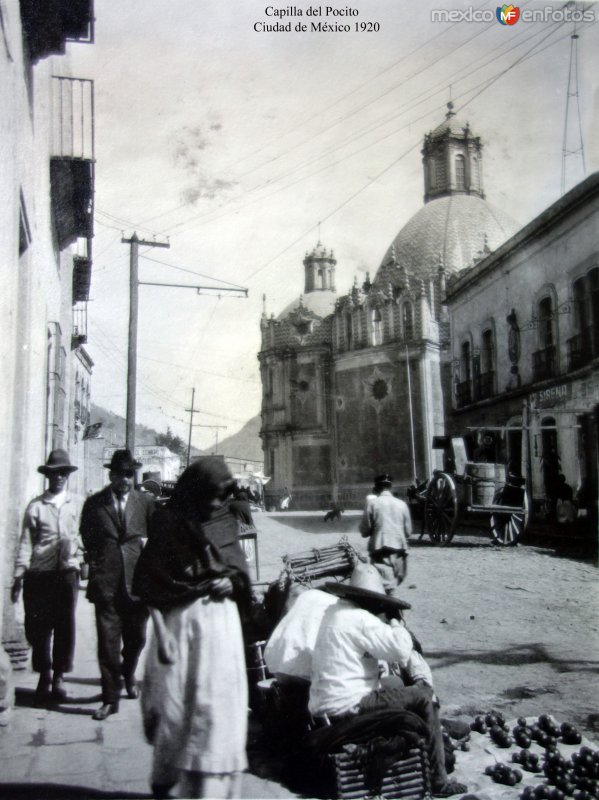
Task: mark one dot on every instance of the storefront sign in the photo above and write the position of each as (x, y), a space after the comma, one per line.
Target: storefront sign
(547, 398)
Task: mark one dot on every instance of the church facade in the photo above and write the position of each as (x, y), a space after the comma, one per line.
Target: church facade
(358, 384)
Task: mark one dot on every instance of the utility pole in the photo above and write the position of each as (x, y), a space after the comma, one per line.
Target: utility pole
(217, 427)
(191, 412)
(134, 243)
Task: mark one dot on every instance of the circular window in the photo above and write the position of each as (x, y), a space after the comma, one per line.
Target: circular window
(380, 390)
(303, 386)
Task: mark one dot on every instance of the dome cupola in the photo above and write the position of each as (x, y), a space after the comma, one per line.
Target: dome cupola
(319, 266)
(452, 158)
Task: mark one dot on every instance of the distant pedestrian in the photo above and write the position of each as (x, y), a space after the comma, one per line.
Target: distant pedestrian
(387, 523)
(114, 523)
(285, 500)
(239, 505)
(193, 575)
(47, 569)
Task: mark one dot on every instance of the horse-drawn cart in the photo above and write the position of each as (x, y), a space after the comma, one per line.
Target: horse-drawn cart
(471, 487)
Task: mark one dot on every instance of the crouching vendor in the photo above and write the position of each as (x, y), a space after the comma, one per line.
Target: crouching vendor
(363, 627)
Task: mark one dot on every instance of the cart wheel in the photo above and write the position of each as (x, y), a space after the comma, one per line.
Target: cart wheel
(441, 508)
(506, 529)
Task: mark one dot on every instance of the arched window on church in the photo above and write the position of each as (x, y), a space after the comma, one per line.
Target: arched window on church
(432, 177)
(440, 171)
(460, 173)
(321, 279)
(408, 321)
(475, 174)
(349, 338)
(376, 321)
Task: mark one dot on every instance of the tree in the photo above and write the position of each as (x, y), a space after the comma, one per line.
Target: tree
(174, 443)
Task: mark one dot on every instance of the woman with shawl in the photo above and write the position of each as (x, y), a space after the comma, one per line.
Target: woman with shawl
(192, 575)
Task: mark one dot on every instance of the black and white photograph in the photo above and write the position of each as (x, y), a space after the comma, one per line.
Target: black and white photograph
(299, 367)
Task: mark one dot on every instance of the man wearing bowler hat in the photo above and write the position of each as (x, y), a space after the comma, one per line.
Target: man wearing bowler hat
(387, 523)
(47, 570)
(114, 522)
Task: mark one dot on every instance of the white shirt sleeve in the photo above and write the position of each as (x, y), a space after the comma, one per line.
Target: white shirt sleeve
(408, 525)
(418, 669)
(381, 641)
(25, 548)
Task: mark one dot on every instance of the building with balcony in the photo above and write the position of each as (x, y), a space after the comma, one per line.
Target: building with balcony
(358, 384)
(47, 190)
(525, 349)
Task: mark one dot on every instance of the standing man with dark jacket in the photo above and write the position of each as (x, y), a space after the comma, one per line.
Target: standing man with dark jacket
(114, 522)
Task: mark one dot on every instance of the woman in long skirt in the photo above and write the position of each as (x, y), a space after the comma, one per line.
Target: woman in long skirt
(192, 574)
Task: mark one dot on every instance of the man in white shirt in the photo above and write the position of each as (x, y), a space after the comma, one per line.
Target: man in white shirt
(345, 669)
(387, 523)
(47, 569)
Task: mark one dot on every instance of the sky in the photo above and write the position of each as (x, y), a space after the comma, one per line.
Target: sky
(245, 146)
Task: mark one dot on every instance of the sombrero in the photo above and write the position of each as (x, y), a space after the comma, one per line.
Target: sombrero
(365, 589)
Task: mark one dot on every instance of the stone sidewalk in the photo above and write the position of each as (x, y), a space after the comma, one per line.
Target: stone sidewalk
(62, 753)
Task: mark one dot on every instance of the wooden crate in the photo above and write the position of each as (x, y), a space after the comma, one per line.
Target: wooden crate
(407, 778)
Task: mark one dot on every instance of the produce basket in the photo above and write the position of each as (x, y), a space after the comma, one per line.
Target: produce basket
(407, 778)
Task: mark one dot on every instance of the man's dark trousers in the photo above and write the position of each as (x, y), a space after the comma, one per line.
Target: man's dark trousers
(122, 619)
(418, 699)
(50, 599)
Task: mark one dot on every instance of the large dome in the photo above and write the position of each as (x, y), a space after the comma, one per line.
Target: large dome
(320, 302)
(453, 231)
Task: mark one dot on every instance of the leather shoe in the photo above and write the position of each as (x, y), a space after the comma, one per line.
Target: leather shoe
(43, 692)
(106, 710)
(132, 690)
(58, 690)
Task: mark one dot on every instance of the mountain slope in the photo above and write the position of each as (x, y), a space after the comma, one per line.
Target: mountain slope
(245, 444)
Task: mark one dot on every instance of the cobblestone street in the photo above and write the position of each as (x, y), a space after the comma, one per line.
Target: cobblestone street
(510, 629)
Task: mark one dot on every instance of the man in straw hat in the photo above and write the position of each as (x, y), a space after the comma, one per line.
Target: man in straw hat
(114, 522)
(387, 523)
(47, 570)
(353, 637)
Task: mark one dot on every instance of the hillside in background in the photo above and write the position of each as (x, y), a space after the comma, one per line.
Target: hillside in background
(113, 430)
(245, 444)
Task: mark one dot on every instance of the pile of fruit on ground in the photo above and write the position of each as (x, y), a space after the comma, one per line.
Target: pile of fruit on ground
(529, 759)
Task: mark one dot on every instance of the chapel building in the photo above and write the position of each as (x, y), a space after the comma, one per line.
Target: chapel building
(358, 384)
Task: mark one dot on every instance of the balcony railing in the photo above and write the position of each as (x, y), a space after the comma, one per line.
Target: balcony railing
(49, 24)
(463, 394)
(544, 364)
(580, 348)
(72, 162)
(79, 334)
(484, 385)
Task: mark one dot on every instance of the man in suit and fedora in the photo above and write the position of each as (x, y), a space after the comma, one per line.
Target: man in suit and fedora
(114, 523)
(47, 570)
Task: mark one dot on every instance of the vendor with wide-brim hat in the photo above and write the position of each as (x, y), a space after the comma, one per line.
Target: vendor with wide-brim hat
(352, 639)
